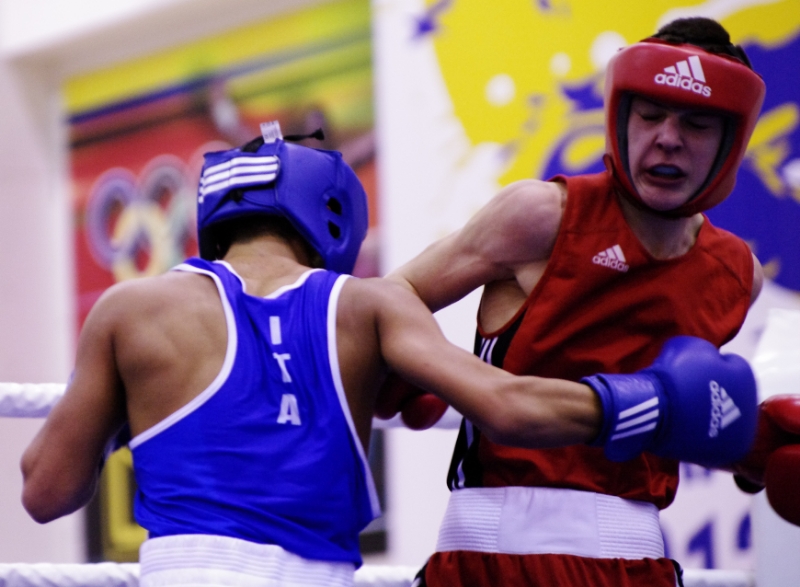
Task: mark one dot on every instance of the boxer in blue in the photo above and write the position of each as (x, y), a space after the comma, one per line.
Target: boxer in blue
(248, 379)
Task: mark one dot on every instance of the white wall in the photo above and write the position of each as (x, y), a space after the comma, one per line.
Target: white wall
(35, 288)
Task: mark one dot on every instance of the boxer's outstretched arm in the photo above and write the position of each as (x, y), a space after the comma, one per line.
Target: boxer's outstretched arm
(524, 411)
(693, 403)
(518, 226)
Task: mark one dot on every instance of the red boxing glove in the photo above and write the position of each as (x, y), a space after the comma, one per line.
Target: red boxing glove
(418, 409)
(782, 479)
(423, 411)
(774, 460)
(392, 395)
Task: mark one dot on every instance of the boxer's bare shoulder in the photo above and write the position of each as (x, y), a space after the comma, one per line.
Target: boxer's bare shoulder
(519, 224)
(516, 228)
(169, 337)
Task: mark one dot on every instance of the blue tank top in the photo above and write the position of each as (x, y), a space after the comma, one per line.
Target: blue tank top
(268, 452)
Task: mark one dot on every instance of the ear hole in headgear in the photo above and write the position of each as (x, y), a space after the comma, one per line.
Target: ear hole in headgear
(334, 206)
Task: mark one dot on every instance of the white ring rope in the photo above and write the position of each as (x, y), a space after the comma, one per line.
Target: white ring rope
(35, 400)
(127, 575)
(29, 400)
(70, 575)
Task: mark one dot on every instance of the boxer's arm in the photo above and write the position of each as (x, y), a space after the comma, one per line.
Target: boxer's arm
(61, 466)
(523, 411)
(518, 226)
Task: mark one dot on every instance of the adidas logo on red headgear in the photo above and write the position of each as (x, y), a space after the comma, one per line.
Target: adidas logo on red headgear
(686, 74)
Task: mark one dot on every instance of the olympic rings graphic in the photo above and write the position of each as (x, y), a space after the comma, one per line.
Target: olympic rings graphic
(141, 226)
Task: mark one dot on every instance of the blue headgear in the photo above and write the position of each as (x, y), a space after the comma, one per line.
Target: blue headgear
(315, 190)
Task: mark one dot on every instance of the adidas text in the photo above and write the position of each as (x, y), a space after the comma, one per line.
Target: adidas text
(685, 83)
(723, 411)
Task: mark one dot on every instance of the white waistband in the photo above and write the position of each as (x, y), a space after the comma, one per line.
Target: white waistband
(199, 559)
(546, 520)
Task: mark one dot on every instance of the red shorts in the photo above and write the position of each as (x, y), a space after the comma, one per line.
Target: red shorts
(482, 569)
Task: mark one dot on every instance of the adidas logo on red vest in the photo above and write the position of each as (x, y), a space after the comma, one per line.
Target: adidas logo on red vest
(613, 258)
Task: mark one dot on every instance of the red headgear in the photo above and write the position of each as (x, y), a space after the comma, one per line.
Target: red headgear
(685, 76)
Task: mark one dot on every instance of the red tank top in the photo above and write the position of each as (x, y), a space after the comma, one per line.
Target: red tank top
(605, 305)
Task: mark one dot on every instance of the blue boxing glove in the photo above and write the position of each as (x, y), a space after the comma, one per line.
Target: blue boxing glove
(692, 404)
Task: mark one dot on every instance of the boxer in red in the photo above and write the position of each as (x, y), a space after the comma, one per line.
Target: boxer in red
(595, 273)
